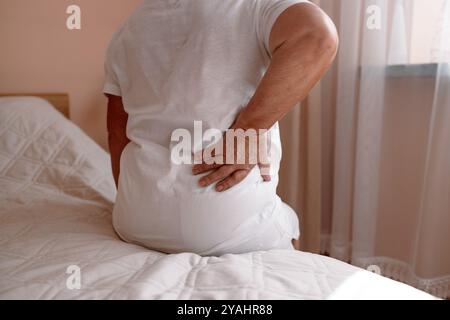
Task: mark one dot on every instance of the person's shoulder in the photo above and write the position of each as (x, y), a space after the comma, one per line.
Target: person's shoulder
(116, 41)
(118, 33)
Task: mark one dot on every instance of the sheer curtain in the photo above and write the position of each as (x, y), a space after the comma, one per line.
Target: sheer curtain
(367, 156)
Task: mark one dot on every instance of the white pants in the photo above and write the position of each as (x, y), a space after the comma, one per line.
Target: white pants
(278, 234)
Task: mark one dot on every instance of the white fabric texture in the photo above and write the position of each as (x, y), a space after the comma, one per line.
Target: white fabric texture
(56, 198)
(173, 63)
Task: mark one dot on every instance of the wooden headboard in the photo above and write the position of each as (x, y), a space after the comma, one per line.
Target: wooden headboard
(59, 100)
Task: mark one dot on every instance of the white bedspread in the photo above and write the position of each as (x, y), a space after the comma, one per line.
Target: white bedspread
(56, 195)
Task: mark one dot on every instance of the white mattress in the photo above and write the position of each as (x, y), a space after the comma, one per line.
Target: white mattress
(56, 195)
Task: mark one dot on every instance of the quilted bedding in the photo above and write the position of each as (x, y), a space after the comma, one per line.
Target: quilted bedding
(56, 196)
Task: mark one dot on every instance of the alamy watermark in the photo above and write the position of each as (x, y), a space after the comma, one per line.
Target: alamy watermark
(374, 17)
(374, 268)
(73, 281)
(234, 146)
(73, 21)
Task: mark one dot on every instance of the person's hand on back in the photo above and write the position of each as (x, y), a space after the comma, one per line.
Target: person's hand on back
(231, 159)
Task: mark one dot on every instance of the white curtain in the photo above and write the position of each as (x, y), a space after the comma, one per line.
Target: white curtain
(385, 145)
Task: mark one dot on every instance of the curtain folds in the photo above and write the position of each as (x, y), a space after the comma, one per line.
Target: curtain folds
(367, 156)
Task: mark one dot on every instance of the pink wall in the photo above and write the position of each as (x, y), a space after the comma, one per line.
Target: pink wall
(39, 54)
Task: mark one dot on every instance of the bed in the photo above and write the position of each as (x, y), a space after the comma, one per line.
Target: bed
(57, 240)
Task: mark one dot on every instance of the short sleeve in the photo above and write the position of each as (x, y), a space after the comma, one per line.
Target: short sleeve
(111, 85)
(268, 12)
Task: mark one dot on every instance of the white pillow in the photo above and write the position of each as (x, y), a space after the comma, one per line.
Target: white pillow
(40, 148)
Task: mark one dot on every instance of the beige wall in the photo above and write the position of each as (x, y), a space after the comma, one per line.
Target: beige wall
(39, 54)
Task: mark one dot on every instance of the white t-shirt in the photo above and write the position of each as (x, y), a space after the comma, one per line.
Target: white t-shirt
(175, 62)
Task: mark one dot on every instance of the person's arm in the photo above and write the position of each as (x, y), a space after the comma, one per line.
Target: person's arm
(303, 44)
(117, 138)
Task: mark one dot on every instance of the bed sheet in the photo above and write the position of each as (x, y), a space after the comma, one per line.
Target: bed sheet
(57, 240)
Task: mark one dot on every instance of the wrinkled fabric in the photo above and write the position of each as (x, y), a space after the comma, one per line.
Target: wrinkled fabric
(56, 198)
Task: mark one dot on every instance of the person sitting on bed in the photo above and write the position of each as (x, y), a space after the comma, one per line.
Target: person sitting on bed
(234, 63)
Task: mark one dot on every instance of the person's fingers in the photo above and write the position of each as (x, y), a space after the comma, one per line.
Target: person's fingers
(217, 175)
(210, 154)
(203, 167)
(265, 171)
(209, 159)
(232, 180)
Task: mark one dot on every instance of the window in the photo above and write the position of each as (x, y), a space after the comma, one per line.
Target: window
(430, 31)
